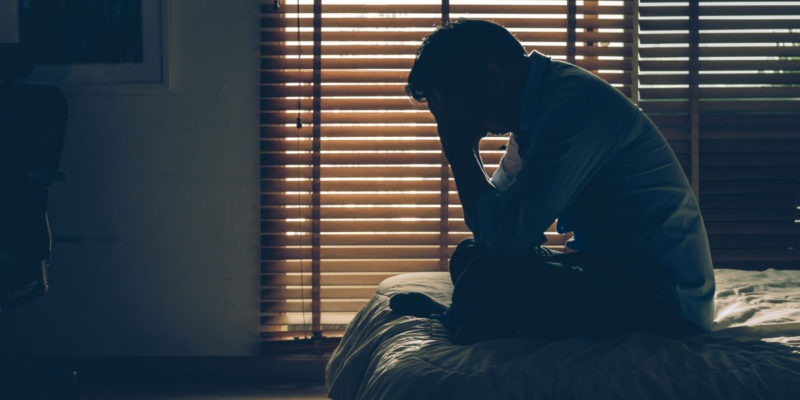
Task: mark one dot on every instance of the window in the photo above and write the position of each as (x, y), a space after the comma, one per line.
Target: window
(361, 192)
(722, 81)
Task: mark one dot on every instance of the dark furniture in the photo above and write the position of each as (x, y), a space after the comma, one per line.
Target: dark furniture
(32, 123)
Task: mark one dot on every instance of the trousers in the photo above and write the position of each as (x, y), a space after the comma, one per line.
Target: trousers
(541, 293)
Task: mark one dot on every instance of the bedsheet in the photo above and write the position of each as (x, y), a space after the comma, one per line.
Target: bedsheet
(752, 353)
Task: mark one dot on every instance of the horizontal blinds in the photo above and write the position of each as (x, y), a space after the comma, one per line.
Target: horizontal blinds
(386, 205)
(749, 137)
(660, 76)
(380, 175)
(745, 106)
(374, 178)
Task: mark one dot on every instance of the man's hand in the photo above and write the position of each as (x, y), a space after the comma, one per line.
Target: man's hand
(459, 130)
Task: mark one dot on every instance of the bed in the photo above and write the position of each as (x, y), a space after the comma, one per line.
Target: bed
(752, 353)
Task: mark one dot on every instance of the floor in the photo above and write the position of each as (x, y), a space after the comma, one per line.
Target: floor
(205, 392)
(244, 391)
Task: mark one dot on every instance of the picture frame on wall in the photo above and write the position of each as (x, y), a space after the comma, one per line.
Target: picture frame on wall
(92, 44)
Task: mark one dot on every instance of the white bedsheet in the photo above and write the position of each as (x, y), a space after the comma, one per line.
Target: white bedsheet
(753, 353)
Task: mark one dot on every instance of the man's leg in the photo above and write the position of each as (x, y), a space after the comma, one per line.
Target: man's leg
(465, 253)
(526, 294)
(556, 297)
(420, 305)
(544, 294)
(485, 292)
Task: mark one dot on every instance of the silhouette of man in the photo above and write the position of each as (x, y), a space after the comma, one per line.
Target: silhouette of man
(581, 153)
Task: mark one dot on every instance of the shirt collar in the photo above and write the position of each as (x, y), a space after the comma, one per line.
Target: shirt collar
(530, 99)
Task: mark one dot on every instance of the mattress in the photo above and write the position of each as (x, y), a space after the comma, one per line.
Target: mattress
(752, 353)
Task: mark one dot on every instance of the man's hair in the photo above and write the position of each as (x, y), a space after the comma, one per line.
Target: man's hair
(452, 56)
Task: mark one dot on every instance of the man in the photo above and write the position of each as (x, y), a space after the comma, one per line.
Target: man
(579, 152)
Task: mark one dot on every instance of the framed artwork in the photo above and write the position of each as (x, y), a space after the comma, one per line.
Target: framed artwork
(91, 42)
(82, 31)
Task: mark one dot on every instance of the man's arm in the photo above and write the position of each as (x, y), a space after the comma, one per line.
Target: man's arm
(468, 172)
(460, 137)
(572, 141)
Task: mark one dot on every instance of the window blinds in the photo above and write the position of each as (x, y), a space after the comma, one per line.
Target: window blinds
(361, 192)
(722, 79)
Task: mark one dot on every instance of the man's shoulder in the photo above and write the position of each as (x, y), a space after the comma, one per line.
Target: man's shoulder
(570, 82)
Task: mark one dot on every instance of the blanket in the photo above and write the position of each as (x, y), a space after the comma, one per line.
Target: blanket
(752, 353)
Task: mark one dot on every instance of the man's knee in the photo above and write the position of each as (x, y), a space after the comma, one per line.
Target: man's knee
(466, 247)
(465, 252)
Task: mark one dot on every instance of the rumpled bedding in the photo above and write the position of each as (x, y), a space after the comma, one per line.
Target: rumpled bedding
(752, 353)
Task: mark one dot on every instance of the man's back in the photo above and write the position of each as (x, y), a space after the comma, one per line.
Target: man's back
(633, 200)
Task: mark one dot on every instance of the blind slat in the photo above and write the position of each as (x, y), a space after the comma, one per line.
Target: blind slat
(278, 38)
(430, 238)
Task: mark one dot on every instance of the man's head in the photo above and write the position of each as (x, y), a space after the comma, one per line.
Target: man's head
(476, 63)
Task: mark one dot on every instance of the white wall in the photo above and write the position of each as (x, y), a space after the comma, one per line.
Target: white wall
(161, 200)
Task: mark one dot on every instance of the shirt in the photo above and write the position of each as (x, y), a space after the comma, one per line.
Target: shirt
(587, 156)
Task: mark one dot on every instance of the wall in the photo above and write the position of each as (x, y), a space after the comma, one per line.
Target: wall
(160, 207)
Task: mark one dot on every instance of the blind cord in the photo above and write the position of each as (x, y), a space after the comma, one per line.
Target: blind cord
(299, 125)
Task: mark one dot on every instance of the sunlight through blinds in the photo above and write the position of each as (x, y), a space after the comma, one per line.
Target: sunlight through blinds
(380, 182)
(379, 163)
(745, 58)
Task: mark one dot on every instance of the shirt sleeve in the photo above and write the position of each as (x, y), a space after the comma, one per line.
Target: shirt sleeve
(510, 165)
(571, 141)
